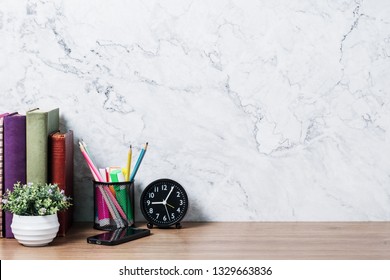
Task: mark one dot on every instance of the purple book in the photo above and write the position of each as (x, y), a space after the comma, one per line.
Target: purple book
(14, 129)
(1, 169)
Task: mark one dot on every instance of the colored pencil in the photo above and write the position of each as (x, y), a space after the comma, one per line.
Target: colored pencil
(90, 163)
(129, 155)
(138, 163)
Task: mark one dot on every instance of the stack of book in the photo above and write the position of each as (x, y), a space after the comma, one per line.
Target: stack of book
(33, 149)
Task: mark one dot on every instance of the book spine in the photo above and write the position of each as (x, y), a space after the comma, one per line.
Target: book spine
(1, 173)
(14, 159)
(39, 125)
(36, 133)
(61, 172)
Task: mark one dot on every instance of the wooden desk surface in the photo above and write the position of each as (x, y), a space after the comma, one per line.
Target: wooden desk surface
(238, 240)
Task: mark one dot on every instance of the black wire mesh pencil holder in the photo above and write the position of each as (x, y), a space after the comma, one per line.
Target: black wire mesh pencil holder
(113, 205)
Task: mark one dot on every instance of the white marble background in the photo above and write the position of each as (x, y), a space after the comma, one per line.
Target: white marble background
(262, 110)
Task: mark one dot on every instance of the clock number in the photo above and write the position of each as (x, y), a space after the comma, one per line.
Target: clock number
(173, 215)
(148, 202)
(157, 215)
(155, 189)
(178, 194)
(164, 187)
(151, 210)
(178, 210)
(181, 202)
(165, 218)
(151, 195)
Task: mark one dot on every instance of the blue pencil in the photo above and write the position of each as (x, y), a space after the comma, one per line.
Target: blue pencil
(138, 163)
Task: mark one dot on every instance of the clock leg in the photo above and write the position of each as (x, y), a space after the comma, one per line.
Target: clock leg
(149, 225)
(178, 225)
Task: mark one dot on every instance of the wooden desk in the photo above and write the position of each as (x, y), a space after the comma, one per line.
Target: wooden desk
(241, 240)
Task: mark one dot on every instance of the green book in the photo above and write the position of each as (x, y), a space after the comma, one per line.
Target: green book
(39, 125)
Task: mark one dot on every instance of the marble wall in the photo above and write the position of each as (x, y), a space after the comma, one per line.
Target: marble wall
(263, 110)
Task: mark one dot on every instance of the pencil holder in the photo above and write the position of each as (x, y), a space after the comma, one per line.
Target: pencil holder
(113, 205)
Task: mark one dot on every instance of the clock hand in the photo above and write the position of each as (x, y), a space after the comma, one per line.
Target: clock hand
(169, 193)
(158, 202)
(166, 209)
(170, 206)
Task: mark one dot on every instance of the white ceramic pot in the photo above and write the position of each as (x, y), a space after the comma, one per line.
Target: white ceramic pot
(35, 230)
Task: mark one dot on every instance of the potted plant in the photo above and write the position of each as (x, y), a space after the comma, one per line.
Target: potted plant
(34, 207)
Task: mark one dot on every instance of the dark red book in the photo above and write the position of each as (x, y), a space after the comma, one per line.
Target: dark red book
(61, 172)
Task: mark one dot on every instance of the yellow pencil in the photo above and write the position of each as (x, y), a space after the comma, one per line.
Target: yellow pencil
(129, 154)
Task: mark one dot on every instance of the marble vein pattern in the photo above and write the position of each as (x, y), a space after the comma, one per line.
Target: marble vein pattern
(263, 110)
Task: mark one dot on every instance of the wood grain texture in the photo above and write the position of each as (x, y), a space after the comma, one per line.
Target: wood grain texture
(236, 240)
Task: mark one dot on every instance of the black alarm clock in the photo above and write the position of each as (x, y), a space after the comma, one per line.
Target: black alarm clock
(164, 203)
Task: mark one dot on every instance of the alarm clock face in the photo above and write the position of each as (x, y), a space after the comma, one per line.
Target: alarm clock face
(164, 203)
